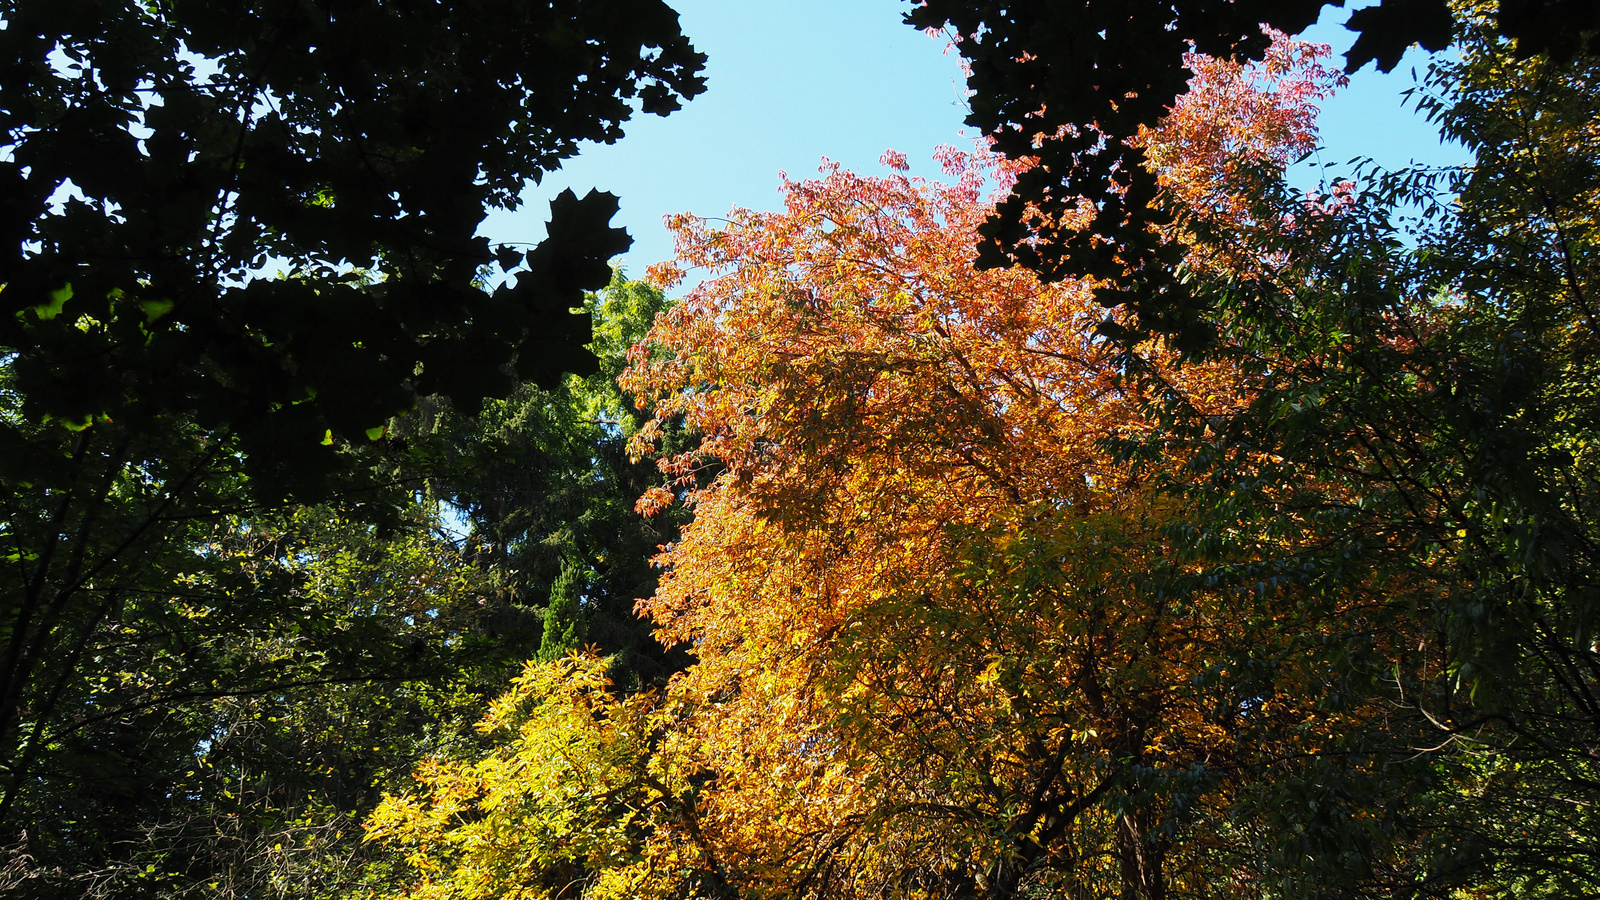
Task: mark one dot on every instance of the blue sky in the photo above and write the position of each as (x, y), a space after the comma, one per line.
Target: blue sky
(793, 81)
(1370, 118)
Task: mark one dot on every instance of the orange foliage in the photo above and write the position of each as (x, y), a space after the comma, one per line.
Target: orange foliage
(941, 645)
(1236, 121)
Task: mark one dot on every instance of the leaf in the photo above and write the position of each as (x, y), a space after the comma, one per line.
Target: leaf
(155, 309)
(58, 299)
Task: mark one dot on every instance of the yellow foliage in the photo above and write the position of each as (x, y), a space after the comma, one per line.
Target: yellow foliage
(571, 802)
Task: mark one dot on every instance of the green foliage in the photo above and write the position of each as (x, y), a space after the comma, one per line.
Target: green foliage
(563, 621)
(546, 488)
(267, 675)
(295, 668)
(1421, 400)
(1521, 613)
(161, 395)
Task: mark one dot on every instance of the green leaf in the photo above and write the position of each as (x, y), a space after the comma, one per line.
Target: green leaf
(155, 309)
(58, 299)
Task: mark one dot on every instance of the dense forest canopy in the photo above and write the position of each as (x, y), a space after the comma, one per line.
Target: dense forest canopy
(1104, 518)
(240, 239)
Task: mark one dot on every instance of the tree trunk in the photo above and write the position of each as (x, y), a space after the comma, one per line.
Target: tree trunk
(1142, 858)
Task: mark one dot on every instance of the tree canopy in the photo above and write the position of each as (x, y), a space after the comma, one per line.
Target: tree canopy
(1239, 545)
(162, 158)
(239, 240)
(947, 639)
(985, 603)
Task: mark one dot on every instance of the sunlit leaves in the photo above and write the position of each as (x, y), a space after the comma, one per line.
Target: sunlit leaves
(571, 802)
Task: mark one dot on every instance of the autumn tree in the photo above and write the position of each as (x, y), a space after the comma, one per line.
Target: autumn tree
(574, 800)
(944, 641)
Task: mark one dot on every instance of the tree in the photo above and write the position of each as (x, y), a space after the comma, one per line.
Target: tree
(545, 488)
(159, 159)
(298, 664)
(1071, 84)
(236, 727)
(946, 641)
(1420, 406)
(206, 142)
